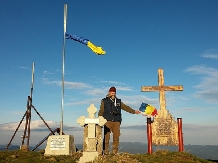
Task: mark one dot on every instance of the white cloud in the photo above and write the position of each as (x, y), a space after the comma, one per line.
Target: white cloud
(67, 84)
(35, 125)
(211, 53)
(111, 82)
(76, 85)
(84, 102)
(196, 127)
(136, 100)
(103, 91)
(90, 90)
(133, 101)
(47, 73)
(191, 109)
(22, 67)
(120, 88)
(207, 88)
(202, 69)
(119, 85)
(97, 92)
(213, 56)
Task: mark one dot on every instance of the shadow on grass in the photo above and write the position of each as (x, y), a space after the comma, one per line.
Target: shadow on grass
(213, 160)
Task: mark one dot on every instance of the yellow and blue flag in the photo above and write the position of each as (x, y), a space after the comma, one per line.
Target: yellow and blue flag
(96, 49)
(147, 109)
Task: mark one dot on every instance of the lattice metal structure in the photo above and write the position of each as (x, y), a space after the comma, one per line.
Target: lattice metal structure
(27, 116)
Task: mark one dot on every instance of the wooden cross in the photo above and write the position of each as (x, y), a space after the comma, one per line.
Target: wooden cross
(161, 88)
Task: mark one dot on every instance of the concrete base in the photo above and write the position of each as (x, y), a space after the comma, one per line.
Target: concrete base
(24, 148)
(60, 145)
(88, 157)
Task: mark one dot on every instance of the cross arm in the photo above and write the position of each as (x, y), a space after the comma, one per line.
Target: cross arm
(161, 88)
(81, 120)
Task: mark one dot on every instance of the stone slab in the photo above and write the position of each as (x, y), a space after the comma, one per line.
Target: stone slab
(164, 129)
(60, 145)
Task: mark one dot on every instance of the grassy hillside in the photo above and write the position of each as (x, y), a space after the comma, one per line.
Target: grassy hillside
(161, 156)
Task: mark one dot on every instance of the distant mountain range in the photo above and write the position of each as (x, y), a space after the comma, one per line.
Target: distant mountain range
(201, 151)
(209, 152)
(13, 147)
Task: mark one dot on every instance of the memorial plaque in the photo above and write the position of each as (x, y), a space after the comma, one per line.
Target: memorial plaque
(164, 127)
(57, 143)
(60, 145)
(164, 130)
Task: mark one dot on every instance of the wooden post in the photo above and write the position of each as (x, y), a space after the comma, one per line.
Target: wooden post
(149, 135)
(180, 135)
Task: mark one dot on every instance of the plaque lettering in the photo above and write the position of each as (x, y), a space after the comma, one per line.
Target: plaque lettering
(57, 144)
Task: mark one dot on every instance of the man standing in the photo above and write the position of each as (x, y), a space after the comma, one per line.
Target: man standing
(110, 109)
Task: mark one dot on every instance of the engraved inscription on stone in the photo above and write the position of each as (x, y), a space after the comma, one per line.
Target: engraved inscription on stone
(92, 144)
(57, 144)
(164, 128)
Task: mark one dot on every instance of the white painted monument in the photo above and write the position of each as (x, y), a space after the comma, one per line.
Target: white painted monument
(91, 152)
(60, 145)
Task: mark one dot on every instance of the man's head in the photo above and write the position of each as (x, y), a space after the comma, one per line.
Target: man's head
(112, 92)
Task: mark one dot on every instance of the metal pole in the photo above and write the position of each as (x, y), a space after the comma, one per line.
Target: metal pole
(30, 98)
(63, 60)
(180, 135)
(149, 135)
(29, 121)
(42, 119)
(42, 141)
(16, 131)
(32, 83)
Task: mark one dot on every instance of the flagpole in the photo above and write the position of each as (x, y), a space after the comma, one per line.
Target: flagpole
(63, 60)
(32, 84)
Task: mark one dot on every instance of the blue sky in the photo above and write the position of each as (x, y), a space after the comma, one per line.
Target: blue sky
(138, 36)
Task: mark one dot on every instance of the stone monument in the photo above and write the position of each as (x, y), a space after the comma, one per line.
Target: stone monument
(98, 130)
(90, 151)
(164, 127)
(60, 145)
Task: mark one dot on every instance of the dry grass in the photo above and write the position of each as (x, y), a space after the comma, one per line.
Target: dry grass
(161, 156)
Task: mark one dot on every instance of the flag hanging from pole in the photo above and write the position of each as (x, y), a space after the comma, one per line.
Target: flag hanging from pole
(96, 49)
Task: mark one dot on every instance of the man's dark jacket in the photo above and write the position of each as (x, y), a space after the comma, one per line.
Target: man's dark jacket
(111, 112)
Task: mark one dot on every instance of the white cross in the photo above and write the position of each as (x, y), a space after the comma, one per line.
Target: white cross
(91, 121)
